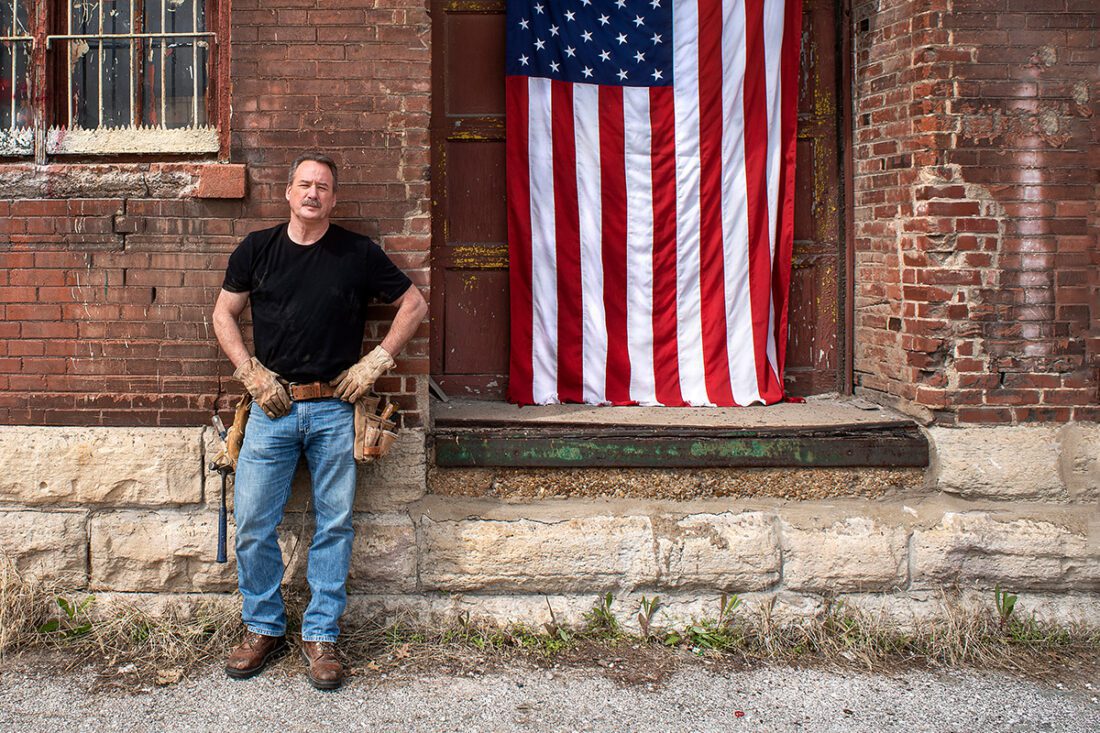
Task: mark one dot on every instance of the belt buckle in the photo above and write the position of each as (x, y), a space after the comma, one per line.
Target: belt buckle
(299, 393)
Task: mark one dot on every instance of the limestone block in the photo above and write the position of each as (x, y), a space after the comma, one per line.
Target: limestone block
(135, 466)
(917, 609)
(976, 548)
(389, 484)
(163, 551)
(405, 465)
(1081, 460)
(383, 556)
(998, 462)
(46, 546)
(856, 553)
(589, 554)
(722, 552)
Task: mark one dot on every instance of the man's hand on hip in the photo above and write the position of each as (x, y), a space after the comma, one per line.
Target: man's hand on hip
(353, 383)
(264, 386)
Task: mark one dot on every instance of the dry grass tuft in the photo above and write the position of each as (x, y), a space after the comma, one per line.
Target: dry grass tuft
(23, 603)
(38, 616)
(165, 645)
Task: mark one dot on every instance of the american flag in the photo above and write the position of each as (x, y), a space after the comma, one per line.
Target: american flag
(650, 154)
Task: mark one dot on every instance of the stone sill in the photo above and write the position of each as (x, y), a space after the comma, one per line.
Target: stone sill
(823, 432)
(202, 180)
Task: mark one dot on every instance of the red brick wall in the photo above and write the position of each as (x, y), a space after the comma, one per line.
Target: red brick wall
(977, 294)
(108, 274)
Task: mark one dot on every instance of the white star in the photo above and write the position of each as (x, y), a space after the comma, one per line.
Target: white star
(570, 15)
(656, 38)
(620, 3)
(523, 60)
(538, 9)
(604, 20)
(586, 3)
(656, 4)
(639, 57)
(638, 21)
(587, 36)
(570, 51)
(605, 56)
(554, 66)
(553, 30)
(540, 44)
(587, 72)
(656, 74)
(622, 74)
(621, 38)
(524, 23)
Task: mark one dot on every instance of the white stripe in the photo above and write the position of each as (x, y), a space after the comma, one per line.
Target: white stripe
(689, 327)
(735, 215)
(586, 122)
(544, 288)
(774, 13)
(639, 244)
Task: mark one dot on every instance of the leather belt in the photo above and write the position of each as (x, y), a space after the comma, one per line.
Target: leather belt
(311, 391)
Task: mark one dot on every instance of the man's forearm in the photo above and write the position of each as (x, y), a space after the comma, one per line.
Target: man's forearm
(230, 338)
(409, 315)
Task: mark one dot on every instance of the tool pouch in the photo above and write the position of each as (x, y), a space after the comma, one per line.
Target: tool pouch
(375, 431)
(234, 437)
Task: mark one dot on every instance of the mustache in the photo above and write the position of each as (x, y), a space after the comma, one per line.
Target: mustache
(310, 201)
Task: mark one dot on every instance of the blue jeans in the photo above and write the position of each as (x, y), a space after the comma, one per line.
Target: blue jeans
(265, 468)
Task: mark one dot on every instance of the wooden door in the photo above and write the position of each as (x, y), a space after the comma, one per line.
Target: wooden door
(469, 225)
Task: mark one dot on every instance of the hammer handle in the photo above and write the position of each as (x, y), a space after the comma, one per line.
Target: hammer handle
(222, 526)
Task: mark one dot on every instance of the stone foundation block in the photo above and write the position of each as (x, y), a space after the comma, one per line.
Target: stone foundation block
(383, 556)
(590, 554)
(998, 462)
(100, 466)
(49, 547)
(158, 550)
(723, 552)
(1080, 461)
(853, 554)
(976, 548)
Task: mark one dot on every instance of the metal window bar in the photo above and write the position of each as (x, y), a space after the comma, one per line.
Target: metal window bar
(162, 36)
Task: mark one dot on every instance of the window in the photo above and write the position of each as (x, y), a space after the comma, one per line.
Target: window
(119, 76)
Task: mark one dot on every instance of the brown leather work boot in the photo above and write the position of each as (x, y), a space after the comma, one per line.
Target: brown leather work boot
(252, 655)
(325, 670)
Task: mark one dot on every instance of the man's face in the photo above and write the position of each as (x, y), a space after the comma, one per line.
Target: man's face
(312, 193)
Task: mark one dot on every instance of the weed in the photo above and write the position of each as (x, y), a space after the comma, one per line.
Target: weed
(73, 623)
(647, 609)
(1006, 604)
(600, 622)
(554, 629)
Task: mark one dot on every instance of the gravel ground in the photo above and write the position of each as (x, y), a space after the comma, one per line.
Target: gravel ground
(521, 698)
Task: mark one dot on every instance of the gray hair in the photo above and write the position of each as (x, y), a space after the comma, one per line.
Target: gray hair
(316, 158)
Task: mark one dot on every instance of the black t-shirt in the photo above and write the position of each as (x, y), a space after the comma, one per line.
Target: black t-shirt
(309, 303)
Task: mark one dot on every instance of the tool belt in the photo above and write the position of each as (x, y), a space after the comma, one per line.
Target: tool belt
(375, 427)
(226, 460)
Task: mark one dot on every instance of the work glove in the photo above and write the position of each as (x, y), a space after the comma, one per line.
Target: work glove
(264, 386)
(351, 384)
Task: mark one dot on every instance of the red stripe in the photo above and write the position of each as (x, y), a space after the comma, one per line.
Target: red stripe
(568, 244)
(711, 268)
(666, 364)
(756, 175)
(784, 245)
(519, 240)
(613, 241)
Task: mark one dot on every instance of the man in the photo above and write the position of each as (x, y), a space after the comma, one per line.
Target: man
(309, 283)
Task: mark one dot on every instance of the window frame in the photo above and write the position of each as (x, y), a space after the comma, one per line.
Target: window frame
(51, 138)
